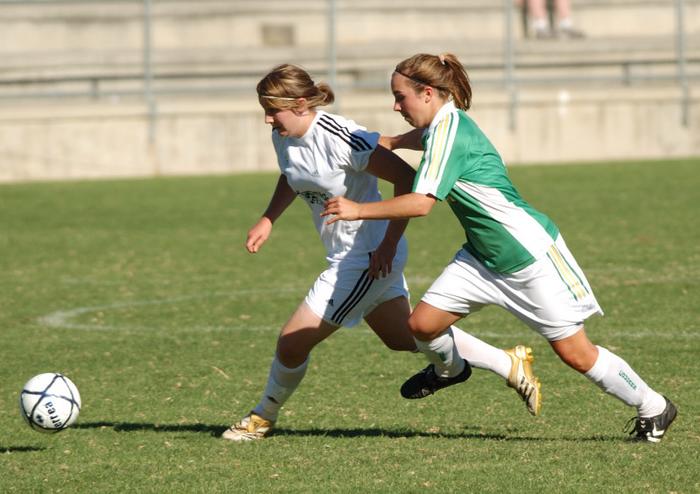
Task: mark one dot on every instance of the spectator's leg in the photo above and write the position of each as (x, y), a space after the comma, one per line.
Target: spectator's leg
(538, 18)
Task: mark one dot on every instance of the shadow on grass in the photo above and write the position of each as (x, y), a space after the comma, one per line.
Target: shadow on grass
(217, 430)
(19, 449)
(407, 433)
(214, 430)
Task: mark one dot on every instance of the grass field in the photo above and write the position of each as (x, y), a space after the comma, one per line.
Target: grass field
(142, 293)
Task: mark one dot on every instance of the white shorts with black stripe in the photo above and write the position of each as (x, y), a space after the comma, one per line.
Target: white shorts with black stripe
(551, 295)
(343, 294)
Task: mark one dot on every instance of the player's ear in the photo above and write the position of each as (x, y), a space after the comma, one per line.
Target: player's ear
(302, 106)
(428, 93)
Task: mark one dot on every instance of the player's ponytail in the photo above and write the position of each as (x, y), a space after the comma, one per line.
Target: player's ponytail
(458, 82)
(325, 94)
(443, 72)
(285, 84)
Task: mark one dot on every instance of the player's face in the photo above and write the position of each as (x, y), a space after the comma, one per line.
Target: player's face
(286, 122)
(412, 105)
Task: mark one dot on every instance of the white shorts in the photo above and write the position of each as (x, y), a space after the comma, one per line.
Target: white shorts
(552, 295)
(343, 294)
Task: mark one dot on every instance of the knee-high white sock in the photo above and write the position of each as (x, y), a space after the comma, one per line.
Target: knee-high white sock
(442, 353)
(281, 383)
(480, 354)
(614, 376)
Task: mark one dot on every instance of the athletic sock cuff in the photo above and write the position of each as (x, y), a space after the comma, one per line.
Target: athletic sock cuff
(600, 368)
(286, 376)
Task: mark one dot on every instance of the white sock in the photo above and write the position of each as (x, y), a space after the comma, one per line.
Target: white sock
(614, 376)
(442, 352)
(540, 25)
(281, 383)
(480, 354)
(566, 23)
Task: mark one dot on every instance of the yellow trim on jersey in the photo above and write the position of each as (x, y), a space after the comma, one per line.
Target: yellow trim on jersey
(567, 274)
(437, 148)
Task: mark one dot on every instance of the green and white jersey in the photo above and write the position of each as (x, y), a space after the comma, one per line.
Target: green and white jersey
(459, 164)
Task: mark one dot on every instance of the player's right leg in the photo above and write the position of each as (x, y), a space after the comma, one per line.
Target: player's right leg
(389, 320)
(464, 287)
(430, 327)
(300, 334)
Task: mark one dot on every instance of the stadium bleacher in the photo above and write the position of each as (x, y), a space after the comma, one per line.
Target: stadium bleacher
(85, 53)
(92, 47)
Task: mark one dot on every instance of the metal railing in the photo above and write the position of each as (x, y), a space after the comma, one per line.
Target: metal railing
(147, 82)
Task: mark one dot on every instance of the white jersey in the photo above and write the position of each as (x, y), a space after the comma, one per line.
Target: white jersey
(327, 161)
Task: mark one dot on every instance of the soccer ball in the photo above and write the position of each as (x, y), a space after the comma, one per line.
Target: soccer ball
(49, 402)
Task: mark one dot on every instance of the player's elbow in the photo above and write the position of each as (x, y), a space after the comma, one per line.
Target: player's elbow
(419, 212)
(422, 205)
(386, 142)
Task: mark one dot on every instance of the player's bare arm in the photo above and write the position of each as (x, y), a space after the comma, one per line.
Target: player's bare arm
(282, 197)
(409, 140)
(411, 205)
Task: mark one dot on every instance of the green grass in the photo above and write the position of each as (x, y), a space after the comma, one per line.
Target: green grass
(142, 293)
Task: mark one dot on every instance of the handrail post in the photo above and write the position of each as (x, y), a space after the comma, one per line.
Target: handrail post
(332, 49)
(680, 54)
(509, 65)
(148, 70)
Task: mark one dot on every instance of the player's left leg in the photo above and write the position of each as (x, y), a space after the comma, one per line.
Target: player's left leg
(612, 374)
(298, 336)
(553, 296)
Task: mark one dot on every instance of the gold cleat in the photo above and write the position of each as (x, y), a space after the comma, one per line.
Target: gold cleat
(523, 380)
(251, 427)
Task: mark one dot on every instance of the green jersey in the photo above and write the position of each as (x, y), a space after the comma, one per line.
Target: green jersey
(459, 164)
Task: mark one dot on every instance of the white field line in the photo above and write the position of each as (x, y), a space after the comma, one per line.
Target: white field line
(65, 319)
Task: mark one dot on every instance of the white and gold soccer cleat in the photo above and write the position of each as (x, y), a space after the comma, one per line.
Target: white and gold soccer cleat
(250, 428)
(523, 380)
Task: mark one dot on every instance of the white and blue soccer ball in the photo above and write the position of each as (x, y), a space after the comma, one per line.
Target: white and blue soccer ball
(50, 402)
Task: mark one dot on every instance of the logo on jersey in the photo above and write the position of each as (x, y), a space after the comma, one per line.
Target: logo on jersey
(314, 197)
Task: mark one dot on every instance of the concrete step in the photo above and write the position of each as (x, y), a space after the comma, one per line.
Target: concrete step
(105, 25)
(98, 74)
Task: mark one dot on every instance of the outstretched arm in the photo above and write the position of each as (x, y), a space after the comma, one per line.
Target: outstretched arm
(282, 197)
(387, 166)
(410, 205)
(405, 204)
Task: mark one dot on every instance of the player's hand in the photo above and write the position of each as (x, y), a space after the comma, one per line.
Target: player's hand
(380, 263)
(341, 208)
(258, 235)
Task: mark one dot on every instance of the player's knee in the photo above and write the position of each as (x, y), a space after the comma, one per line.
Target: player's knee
(420, 328)
(576, 351)
(291, 355)
(578, 359)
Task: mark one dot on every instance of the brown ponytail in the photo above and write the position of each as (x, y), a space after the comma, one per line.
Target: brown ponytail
(442, 72)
